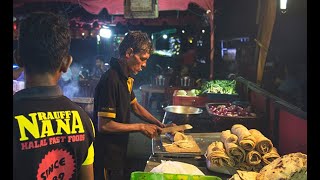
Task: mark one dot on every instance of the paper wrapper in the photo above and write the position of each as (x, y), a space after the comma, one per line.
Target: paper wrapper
(245, 139)
(271, 156)
(263, 144)
(253, 158)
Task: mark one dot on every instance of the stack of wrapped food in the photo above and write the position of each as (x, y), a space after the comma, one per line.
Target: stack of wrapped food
(240, 149)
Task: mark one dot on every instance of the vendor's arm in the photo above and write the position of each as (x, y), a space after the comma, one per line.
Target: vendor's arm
(107, 125)
(106, 107)
(144, 114)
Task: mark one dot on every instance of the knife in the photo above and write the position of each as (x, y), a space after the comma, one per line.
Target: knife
(176, 128)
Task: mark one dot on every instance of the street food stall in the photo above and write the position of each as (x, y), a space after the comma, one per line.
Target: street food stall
(261, 115)
(265, 128)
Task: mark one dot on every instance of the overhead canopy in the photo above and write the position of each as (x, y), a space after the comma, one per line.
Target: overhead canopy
(116, 7)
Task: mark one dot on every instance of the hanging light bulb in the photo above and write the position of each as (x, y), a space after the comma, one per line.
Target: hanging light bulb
(105, 32)
(283, 6)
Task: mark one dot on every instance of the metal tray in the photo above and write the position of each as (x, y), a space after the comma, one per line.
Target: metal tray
(202, 139)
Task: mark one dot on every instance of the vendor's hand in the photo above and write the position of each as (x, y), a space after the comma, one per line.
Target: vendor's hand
(150, 130)
(170, 125)
(161, 125)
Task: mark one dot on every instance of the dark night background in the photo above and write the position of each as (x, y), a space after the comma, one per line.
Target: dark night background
(232, 19)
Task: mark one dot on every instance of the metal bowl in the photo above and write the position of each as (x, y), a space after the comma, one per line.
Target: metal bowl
(183, 110)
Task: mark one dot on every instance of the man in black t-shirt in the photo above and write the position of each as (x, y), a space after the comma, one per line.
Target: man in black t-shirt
(113, 100)
(52, 136)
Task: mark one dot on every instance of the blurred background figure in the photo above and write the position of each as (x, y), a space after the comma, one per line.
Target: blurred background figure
(99, 68)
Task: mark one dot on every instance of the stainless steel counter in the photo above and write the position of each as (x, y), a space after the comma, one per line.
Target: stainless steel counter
(203, 140)
(197, 159)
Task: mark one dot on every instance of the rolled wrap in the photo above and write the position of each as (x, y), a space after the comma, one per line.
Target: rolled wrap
(253, 158)
(271, 156)
(244, 166)
(245, 139)
(236, 152)
(257, 167)
(263, 144)
(244, 175)
(227, 137)
(217, 155)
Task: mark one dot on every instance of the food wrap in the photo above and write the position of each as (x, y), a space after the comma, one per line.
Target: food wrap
(244, 175)
(257, 167)
(291, 166)
(233, 150)
(245, 139)
(271, 156)
(253, 158)
(227, 137)
(182, 144)
(244, 166)
(263, 144)
(217, 159)
(178, 136)
(217, 155)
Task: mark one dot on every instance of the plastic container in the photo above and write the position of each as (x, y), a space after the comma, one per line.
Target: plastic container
(163, 176)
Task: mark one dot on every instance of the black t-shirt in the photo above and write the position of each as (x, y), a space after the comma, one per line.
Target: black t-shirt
(52, 136)
(112, 99)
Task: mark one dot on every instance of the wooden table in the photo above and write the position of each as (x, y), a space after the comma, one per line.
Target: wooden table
(147, 90)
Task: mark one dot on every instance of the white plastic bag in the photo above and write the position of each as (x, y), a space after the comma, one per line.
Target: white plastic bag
(176, 167)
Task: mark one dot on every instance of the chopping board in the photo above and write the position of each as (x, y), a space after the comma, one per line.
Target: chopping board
(173, 148)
